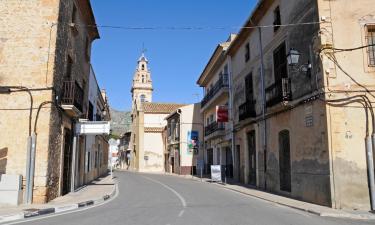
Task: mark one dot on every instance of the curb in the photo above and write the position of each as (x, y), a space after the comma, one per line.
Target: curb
(315, 212)
(58, 209)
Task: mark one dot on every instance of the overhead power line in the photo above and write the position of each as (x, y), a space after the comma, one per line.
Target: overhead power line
(195, 27)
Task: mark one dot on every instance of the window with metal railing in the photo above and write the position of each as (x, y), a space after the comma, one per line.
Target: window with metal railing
(370, 37)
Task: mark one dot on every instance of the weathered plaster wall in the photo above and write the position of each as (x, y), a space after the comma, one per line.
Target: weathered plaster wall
(346, 28)
(154, 150)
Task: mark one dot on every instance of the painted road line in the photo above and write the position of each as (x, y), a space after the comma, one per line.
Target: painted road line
(183, 202)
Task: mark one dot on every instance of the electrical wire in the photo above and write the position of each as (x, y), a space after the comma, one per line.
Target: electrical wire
(194, 27)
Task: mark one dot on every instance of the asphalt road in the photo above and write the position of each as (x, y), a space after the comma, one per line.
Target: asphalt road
(149, 199)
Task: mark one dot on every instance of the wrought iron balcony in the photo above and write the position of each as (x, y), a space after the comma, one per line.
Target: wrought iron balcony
(221, 83)
(213, 127)
(72, 97)
(247, 110)
(279, 92)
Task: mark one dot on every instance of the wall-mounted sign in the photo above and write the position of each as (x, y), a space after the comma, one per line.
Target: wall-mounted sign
(222, 113)
(93, 127)
(192, 141)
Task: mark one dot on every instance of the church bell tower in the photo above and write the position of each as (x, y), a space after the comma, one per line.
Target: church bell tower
(142, 83)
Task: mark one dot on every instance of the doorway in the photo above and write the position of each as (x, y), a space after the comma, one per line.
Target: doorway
(210, 160)
(252, 157)
(229, 162)
(238, 162)
(67, 161)
(284, 161)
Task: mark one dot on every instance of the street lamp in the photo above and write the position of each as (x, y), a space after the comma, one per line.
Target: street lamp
(293, 61)
(293, 57)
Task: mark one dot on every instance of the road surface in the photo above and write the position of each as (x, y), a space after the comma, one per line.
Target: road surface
(149, 199)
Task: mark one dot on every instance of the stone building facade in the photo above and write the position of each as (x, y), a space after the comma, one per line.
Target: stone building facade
(45, 49)
(183, 140)
(307, 139)
(215, 81)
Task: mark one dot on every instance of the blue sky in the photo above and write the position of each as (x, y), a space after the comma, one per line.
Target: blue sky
(177, 57)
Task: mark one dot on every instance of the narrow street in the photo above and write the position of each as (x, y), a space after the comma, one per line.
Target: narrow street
(168, 200)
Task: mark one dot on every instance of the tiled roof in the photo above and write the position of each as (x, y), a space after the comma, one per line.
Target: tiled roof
(151, 107)
(154, 129)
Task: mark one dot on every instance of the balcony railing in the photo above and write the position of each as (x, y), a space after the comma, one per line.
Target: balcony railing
(213, 127)
(72, 94)
(247, 110)
(221, 83)
(279, 92)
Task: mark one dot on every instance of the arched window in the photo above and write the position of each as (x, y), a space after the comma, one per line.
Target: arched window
(143, 98)
(143, 78)
(143, 66)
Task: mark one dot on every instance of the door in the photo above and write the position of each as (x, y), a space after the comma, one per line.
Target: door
(229, 162)
(238, 161)
(284, 161)
(210, 160)
(67, 161)
(252, 157)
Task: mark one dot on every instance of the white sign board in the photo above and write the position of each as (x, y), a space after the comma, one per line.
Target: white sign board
(216, 173)
(93, 127)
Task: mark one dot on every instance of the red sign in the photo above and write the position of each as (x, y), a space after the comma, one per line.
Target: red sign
(222, 113)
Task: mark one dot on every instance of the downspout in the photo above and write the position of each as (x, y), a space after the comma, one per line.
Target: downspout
(178, 111)
(231, 108)
(263, 94)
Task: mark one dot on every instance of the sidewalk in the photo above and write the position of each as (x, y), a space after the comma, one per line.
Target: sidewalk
(91, 194)
(289, 202)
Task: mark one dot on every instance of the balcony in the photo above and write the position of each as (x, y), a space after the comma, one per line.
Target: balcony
(247, 110)
(219, 85)
(279, 92)
(213, 127)
(72, 98)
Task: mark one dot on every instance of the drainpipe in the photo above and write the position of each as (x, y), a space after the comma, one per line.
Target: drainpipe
(370, 167)
(263, 93)
(233, 145)
(178, 111)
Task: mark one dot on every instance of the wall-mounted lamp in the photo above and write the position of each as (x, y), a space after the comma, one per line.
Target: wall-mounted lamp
(293, 61)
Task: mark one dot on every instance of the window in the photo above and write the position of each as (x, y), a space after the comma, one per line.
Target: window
(277, 18)
(211, 118)
(371, 43)
(249, 87)
(69, 68)
(143, 78)
(280, 63)
(96, 160)
(88, 162)
(143, 66)
(226, 71)
(74, 14)
(91, 112)
(247, 52)
(143, 98)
